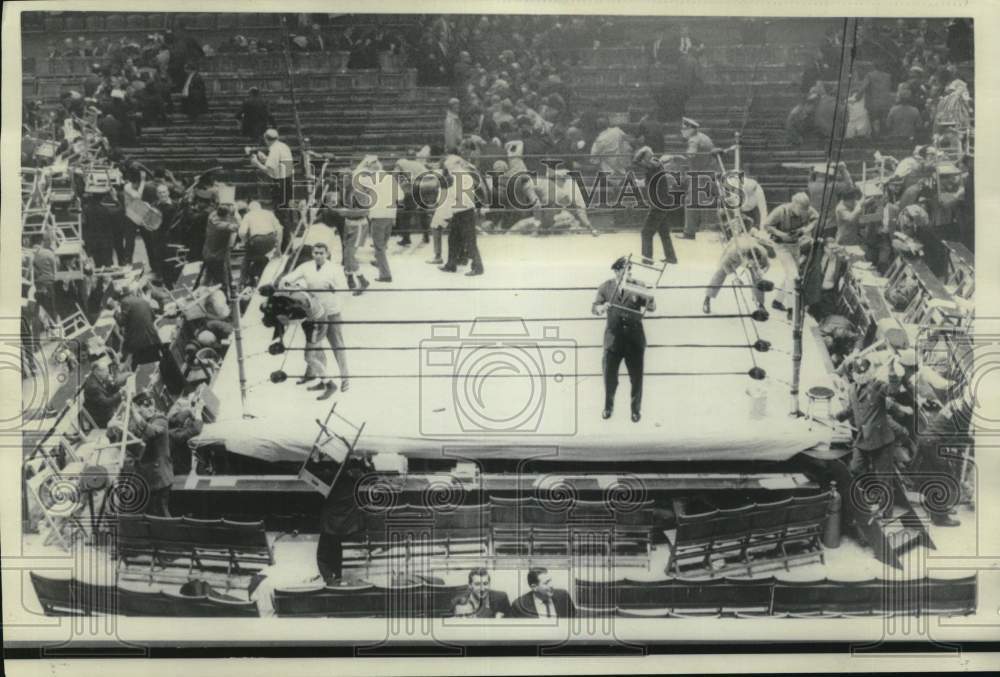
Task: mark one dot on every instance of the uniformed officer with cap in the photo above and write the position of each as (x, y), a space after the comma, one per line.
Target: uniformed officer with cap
(700, 161)
(624, 337)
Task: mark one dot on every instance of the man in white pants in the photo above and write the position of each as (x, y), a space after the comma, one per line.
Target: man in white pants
(791, 225)
(320, 278)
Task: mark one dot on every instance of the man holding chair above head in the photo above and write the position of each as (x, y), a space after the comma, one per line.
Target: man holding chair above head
(624, 338)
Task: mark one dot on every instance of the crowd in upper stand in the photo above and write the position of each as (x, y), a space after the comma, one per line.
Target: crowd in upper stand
(906, 82)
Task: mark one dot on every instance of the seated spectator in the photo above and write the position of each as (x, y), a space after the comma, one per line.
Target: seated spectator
(544, 601)
(479, 601)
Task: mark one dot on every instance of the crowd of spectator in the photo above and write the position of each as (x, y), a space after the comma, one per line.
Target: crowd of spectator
(906, 82)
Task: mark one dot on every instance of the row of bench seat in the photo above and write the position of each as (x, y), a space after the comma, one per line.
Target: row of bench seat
(625, 598)
(770, 597)
(72, 597)
(235, 548)
(751, 537)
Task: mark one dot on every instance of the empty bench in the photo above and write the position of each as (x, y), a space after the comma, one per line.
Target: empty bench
(408, 531)
(72, 597)
(532, 527)
(750, 538)
(220, 545)
(422, 600)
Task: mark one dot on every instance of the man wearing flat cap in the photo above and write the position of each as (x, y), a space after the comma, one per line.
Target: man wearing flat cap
(624, 338)
(701, 191)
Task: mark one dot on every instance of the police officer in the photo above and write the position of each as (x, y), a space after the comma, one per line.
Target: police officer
(624, 337)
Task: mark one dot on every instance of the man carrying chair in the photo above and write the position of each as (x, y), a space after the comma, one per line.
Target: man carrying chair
(624, 300)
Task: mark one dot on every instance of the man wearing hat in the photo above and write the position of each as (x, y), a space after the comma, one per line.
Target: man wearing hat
(701, 178)
(152, 462)
(875, 443)
(279, 166)
(792, 226)
(624, 337)
(666, 201)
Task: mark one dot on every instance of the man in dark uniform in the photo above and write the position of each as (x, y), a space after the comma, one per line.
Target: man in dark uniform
(152, 463)
(875, 443)
(701, 186)
(666, 201)
(341, 517)
(624, 337)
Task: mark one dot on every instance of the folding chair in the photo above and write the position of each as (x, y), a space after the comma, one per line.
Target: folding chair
(58, 516)
(640, 279)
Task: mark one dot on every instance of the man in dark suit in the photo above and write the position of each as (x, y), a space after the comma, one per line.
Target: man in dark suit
(479, 601)
(102, 394)
(140, 339)
(152, 462)
(341, 517)
(543, 601)
(254, 116)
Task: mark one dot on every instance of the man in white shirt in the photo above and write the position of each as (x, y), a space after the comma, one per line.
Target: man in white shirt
(320, 278)
(260, 233)
(280, 168)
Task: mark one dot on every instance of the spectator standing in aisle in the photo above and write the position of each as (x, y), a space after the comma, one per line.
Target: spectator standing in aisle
(279, 166)
(254, 115)
(452, 127)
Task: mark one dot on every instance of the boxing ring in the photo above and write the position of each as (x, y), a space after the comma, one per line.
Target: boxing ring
(527, 353)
